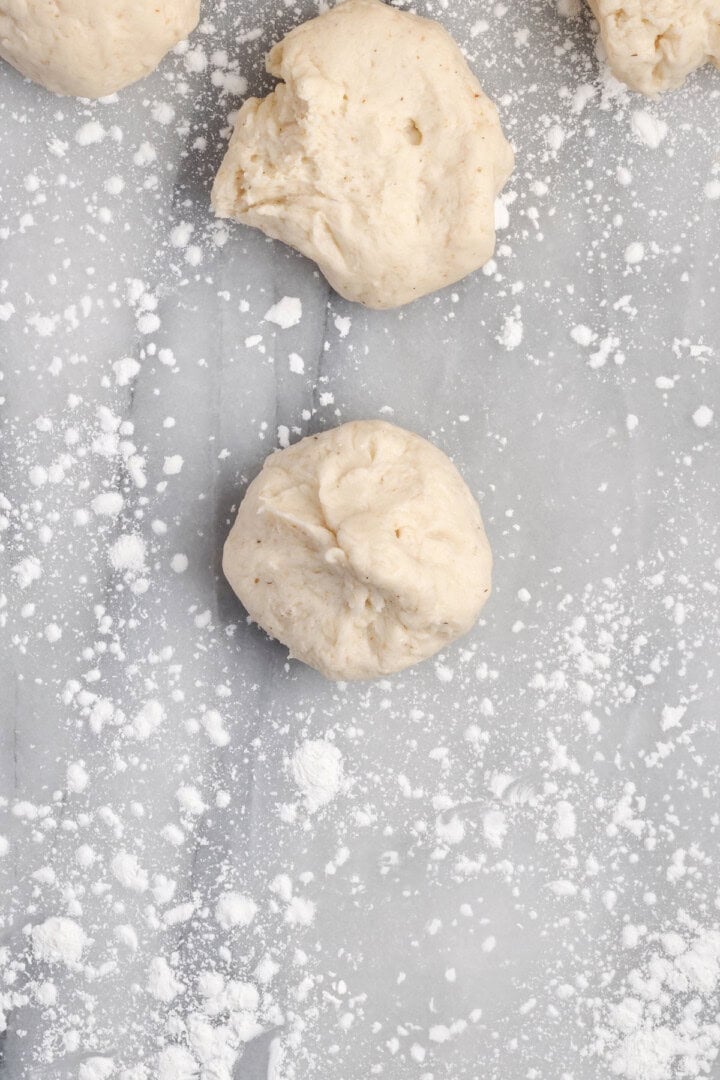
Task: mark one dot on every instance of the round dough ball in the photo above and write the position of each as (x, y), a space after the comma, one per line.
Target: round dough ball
(378, 155)
(361, 549)
(91, 48)
(653, 45)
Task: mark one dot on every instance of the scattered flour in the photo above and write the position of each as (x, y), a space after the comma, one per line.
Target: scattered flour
(512, 331)
(215, 728)
(649, 130)
(634, 253)
(176, 1063)
(565, 824)
(59, 941)
(173, 465)
(317, 769)
(568, 9)
(96, 1068)
(147, 720)
(108, 504)
(494, 827)
(703, 416)
(129, 873)
(77, 777)
(27, 571)
(125, 370)
(286, 313)
(128, 553)
(90, 133)
(162, 983)
(234, 909)
(582, 335)
(566, 739)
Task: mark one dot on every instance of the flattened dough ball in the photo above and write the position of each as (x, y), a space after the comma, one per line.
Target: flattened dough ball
(653, 45)
(361, 549)
(378, 155)
(90, 48)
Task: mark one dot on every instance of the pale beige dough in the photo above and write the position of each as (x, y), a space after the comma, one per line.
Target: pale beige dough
(378, 155)
(361, 549)
(653, 45)
(91, 48)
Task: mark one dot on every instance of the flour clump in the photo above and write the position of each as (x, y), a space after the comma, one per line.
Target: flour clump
(59, 940)
(378, 155)
(361, 549)
(317, 769)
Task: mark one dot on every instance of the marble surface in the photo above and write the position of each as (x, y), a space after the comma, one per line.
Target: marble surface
(466, 922)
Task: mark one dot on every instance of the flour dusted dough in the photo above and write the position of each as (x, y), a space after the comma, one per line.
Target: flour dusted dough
(90, 48)
(361, 549)
(378, 155)
(653, 45)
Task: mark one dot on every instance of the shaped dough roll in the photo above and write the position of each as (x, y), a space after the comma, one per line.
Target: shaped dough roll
(361, 549)
(91, 48)
(378, 156)
(653, 45)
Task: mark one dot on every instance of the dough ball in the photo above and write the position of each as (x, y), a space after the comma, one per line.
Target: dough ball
(361, 549)
(378, 155)
(90, 48)
(653, 45)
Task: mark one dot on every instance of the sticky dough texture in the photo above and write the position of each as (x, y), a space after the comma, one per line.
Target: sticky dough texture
(361, 549)
(378, 155)
(653, 45)
(91, 48)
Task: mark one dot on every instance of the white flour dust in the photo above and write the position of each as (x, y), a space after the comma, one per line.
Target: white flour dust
(502, 863)
(317, 769)
(59, 941)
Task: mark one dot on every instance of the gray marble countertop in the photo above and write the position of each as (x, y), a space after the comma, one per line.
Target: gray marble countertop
(518, 879)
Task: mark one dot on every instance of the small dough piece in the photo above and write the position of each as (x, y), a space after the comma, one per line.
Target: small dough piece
(91, 48)
(378, 155)
(361, 549)
(653, 45)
